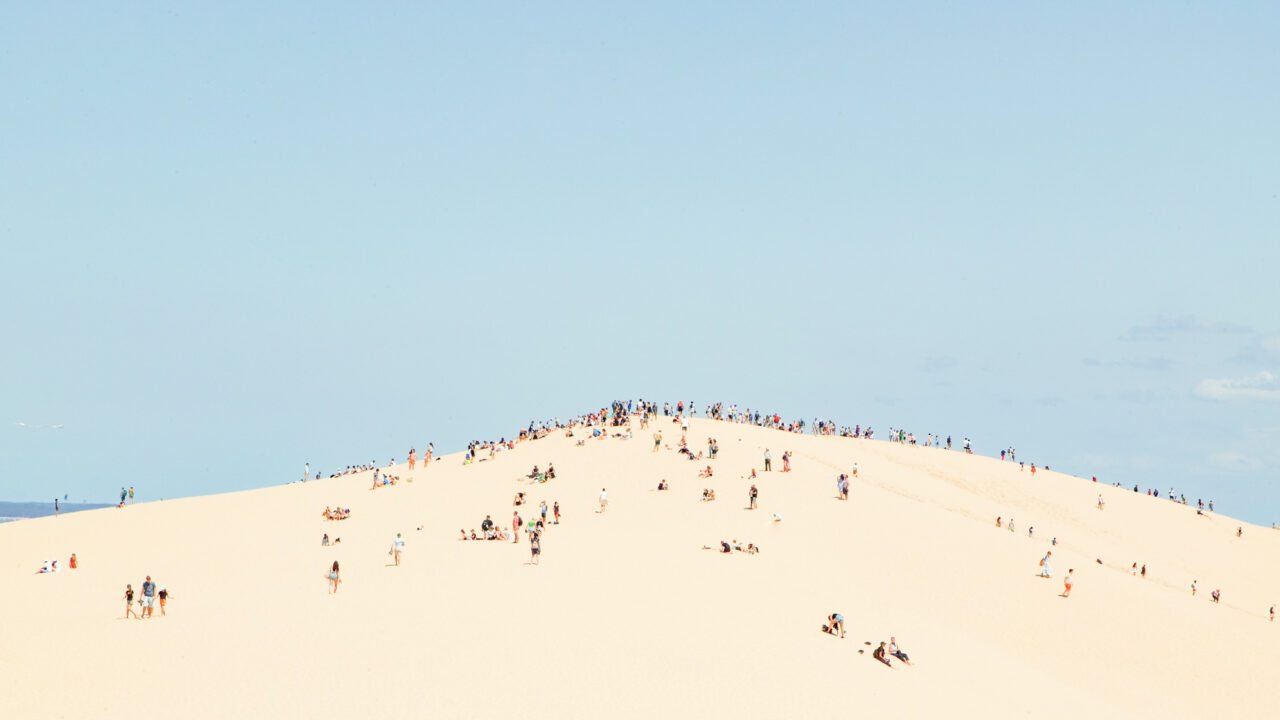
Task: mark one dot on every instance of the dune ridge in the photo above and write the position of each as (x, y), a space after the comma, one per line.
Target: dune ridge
(628, 616)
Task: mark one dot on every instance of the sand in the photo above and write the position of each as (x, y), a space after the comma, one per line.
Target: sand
(627, 616)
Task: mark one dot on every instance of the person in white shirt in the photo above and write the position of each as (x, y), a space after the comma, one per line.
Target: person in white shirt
(604, 500)
(397, 547)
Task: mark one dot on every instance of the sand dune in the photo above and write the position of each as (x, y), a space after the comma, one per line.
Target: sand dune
(627, 615)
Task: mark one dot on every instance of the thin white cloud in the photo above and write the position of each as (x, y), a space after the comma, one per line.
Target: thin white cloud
(1168, 327)
(1235, 462)
(1262, 386)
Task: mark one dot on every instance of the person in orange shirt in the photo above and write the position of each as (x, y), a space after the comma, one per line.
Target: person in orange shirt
(72, 562)
(413, 456)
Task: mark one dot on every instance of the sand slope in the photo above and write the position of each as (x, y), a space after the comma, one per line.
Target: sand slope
(628, 617)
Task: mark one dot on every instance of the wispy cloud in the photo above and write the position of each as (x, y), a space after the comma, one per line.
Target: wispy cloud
(1166, 328)
(38, 427)
(1235, 462)
(934, 363)
(1262, 386)
(1157, 363)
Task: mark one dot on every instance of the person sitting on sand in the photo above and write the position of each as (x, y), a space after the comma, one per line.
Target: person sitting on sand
(894, 651)
(464, 534)
(519, 499)
(708, 494)
(551, 471)
(880, 655)
(662, 485)
(835, 623)
(473, 534)
(999, 523)
(752, 549)
(324, 541)
(724, 547)
(705, 473)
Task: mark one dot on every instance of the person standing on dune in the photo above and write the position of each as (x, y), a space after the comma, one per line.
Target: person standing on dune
(1046, 569)
(397, 547)
(604, 499)
(334, 579)
(752, 496)
(768, 460)
(1066, 592)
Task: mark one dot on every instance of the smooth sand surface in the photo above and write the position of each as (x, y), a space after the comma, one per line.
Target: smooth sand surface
(627, 615)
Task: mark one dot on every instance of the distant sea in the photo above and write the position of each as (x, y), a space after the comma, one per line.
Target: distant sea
(19, 510)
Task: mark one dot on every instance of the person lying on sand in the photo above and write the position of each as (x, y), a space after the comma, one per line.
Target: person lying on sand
(705, 473)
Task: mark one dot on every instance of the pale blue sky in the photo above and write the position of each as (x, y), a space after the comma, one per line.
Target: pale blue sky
(239, 238)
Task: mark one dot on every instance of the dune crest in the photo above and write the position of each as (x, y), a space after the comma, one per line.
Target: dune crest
(627, 615)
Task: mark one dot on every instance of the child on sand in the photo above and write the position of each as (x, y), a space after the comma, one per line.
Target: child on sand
(128, 603)
(164, 598)
(1067, 582)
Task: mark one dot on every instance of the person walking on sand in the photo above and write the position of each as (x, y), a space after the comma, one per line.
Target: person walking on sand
(543, 511)
(752, 495)
(1100, 503)
(768, 460)
(1066, 592)
(163, 594)
(397, 547)
(657, 441)
(130, 494)
(148, 597)
(535, 546)
(334, 579)
(1046, 570)
(516, 523)
(123, 495)
(128, 603)
(1193, 588)
(55, 507)
(786, 461)
(413, 457)
(604, 499)
(555, 510)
